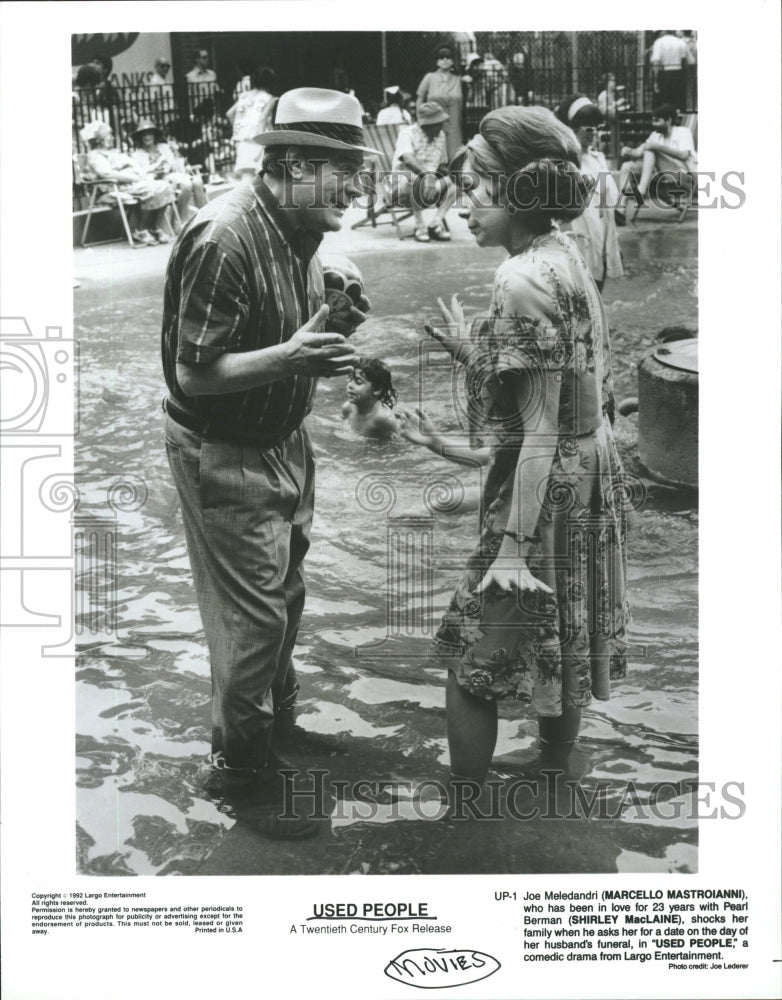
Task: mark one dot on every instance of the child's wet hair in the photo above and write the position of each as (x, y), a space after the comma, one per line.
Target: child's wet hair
(379, 375)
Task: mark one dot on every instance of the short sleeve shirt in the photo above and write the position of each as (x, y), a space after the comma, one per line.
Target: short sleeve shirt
(197, 75)
(240, 278)
(415, 142)
(668, 52)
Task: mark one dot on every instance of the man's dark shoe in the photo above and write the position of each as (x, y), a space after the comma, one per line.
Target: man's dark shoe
(259, 805)
(268, 821)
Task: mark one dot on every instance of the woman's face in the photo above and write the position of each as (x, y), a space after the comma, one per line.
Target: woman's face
(105, 139)
(487, 217)
(444, 63)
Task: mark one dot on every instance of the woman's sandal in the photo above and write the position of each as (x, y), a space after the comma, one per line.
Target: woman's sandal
(439, 233)
(144, 238)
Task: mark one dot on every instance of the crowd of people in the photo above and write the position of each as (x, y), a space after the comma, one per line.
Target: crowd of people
(430, 131)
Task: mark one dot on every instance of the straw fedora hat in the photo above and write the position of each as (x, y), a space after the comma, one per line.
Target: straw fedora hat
(310, 116)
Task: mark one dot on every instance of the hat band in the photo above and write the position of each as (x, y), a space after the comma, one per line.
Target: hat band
(350, 134)
(576, 106)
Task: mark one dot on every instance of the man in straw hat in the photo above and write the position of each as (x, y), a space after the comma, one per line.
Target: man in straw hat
(243, 346)
(419, 166)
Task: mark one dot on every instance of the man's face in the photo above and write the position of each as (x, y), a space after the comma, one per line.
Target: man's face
(202, 60)
(432, 131)
(321, 191)
(162, 69)
(661, 125)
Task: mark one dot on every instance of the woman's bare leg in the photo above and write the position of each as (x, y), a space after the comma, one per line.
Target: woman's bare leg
(472, 731)
(558, 737)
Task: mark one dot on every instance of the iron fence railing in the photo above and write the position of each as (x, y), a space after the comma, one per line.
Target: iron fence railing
(518, 67)
(193, 115)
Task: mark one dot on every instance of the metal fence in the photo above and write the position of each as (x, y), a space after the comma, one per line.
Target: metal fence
(192, 115)
(518, 67)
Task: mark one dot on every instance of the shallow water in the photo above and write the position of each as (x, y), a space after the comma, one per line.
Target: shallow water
(372, 696)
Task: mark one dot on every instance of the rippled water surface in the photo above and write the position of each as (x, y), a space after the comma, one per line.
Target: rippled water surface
(372, 697)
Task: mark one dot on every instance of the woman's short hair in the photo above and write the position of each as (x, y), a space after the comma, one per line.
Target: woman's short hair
(665, 111)
(263, 78)
(88, 76)
(444, 52)
(536, 158)
(106, 62)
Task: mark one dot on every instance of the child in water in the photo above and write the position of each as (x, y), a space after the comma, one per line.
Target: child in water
(371, 396)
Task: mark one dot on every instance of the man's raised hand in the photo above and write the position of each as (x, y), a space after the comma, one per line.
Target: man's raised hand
(319, 354)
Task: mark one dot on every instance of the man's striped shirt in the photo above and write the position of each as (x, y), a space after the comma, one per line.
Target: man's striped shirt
(240, 278)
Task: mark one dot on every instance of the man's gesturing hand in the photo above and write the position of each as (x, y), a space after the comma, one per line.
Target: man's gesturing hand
(319, 354)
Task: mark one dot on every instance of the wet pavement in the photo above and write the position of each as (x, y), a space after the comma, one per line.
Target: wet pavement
(372, 698)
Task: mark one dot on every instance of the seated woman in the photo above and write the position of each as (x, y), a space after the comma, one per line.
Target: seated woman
(156, 159)
(107, 163)
(394, 111)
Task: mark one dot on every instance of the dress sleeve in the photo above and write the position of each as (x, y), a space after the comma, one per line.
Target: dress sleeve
(214, 305)
(423, 90)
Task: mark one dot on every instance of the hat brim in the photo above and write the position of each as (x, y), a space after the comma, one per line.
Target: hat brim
(157, 132)
(293, 137)
(435, 121)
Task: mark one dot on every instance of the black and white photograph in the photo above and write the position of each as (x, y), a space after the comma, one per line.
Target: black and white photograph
(498, 631)
(381, 497)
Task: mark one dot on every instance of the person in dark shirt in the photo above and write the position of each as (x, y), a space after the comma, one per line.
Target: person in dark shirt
(243, 345)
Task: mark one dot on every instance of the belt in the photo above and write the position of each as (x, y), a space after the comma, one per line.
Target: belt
(216, 432)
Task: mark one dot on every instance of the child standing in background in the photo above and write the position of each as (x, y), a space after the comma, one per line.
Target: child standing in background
(371, 396)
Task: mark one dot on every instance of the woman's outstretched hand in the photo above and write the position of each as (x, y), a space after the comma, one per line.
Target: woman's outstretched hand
(454, 317)
(415, 425)
(452, 335)
(512, 572)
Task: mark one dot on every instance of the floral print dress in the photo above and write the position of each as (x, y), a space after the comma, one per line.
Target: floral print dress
(561, 649)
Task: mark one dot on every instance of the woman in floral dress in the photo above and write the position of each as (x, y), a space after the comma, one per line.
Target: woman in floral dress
(539, 614)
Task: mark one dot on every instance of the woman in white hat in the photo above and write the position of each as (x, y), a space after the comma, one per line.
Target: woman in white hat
(394, 111)
(108, 163)
(156, 159)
